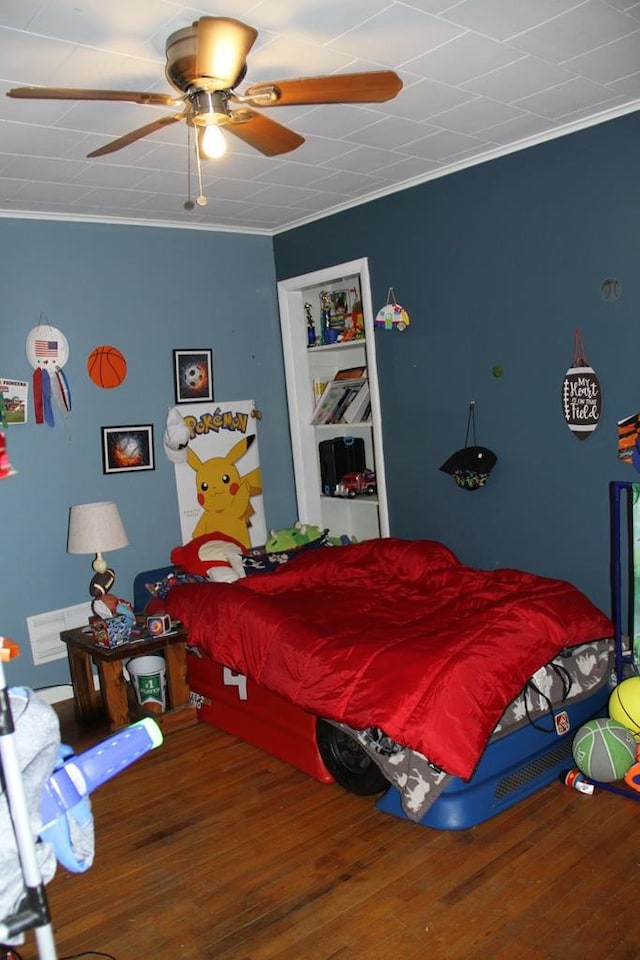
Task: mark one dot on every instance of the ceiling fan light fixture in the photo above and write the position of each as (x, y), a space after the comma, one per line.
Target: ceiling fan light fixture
(211, 143)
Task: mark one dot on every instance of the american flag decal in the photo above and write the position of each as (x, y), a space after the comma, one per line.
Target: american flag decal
(46, 348)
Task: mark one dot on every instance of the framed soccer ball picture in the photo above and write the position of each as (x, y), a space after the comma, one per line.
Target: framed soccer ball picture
(193, 376)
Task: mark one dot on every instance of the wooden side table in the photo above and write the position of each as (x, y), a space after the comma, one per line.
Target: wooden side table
(112, 698)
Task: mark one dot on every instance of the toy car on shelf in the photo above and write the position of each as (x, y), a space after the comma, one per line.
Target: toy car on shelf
(353, 484)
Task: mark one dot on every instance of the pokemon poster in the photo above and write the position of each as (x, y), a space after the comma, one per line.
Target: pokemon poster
(220, 484)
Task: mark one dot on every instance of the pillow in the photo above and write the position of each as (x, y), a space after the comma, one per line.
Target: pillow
(214, 556)
(161, 588)
(259, 561)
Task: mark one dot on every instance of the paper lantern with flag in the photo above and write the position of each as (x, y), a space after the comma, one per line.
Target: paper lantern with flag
(47, 352)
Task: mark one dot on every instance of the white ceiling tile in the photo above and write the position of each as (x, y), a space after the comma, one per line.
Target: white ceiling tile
(586, 27)
(283, 58)
(443, 144)
(520, 128)
(390, 133)
(295, 174)
(366, 160)
(317, 23)
(9, 189)
(115, 25)
(225, 188)
(520, 79)
(427, 98)
(322, 150)
(281, 194)
(335, 120)
(408, 169)
(396, 35)
(616, 60)
(501, 19)
(473, 117)
(567, 98)
(19, 13)
(630, 86)
(347, 183)
(27, 59)
(464, 58)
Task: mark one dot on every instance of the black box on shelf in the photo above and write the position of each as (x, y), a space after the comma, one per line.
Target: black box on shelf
(338, 456)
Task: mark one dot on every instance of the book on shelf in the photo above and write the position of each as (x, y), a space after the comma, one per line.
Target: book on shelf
(336, 397)
(351, 373)
(359, 408)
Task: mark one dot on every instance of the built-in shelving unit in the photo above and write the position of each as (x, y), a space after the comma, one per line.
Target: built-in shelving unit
(300, 298)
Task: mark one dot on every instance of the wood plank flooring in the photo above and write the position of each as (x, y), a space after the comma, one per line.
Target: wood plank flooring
(208, 849)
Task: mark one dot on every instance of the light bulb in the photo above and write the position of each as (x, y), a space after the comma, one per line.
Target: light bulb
(212, 143)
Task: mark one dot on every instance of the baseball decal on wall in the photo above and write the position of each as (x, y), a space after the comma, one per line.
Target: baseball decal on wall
(581, 394)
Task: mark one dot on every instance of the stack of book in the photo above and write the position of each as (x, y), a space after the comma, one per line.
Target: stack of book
(345, 399)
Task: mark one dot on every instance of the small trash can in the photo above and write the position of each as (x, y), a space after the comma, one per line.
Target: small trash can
(149, 677)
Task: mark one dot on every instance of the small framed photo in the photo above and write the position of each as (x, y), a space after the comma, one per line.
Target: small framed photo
(127, 449)
(193, 375)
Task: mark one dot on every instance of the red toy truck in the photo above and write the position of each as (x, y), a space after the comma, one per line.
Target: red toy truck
(353, 484)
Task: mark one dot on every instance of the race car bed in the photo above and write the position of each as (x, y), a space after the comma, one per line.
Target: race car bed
(394, 650)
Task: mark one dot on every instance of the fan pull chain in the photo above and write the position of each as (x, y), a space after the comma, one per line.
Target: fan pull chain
(201, 200)
(188, 204)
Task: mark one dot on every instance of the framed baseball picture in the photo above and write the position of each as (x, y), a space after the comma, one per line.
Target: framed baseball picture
(127, 449)
(193, 376)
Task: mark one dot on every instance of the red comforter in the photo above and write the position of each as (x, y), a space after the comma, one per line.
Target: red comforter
(392, 633)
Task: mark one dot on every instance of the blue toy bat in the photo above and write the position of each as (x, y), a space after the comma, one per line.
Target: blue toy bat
(65, 808)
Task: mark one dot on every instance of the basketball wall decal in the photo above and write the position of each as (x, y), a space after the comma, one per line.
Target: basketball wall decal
(107, 367)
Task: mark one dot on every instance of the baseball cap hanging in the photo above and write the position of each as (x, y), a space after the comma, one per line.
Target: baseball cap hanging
(176, 437)
(470, 467)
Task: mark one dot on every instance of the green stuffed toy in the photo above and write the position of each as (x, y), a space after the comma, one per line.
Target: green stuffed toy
(299, 535)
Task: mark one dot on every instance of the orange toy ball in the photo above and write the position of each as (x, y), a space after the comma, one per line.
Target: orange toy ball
(107, 367)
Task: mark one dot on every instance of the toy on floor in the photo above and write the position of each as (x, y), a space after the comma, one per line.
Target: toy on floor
(64, 807)
(604, 749)
(624, 704)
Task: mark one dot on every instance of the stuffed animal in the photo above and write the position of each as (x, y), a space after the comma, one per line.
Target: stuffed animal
(299, 535)
(216, 556)
(108, 606)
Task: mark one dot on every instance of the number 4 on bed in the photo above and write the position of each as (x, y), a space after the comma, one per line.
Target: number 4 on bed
(231, 679)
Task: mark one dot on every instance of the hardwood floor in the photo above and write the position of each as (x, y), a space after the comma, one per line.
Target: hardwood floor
(208, 849)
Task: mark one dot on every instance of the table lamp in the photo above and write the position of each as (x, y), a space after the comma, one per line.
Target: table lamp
(96, 528)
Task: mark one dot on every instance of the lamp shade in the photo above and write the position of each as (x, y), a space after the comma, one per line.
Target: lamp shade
(95, 528)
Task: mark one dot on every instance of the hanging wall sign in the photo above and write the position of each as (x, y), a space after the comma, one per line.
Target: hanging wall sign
(392, 316)
(581, 394)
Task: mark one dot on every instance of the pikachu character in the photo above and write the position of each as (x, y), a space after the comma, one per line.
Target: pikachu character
(224, 495)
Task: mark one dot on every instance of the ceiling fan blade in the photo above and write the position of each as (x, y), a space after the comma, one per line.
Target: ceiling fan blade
(373, 87)
(265, 135)
(222, 48)
(68, 93)
(138, 134)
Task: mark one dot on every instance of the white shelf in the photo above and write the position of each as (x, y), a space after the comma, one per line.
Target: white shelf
(362, 517)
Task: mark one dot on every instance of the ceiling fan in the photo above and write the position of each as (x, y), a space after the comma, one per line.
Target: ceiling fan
(205, 63)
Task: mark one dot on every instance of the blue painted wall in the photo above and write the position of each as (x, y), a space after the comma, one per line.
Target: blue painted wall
(499, 264)
(147, 291)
